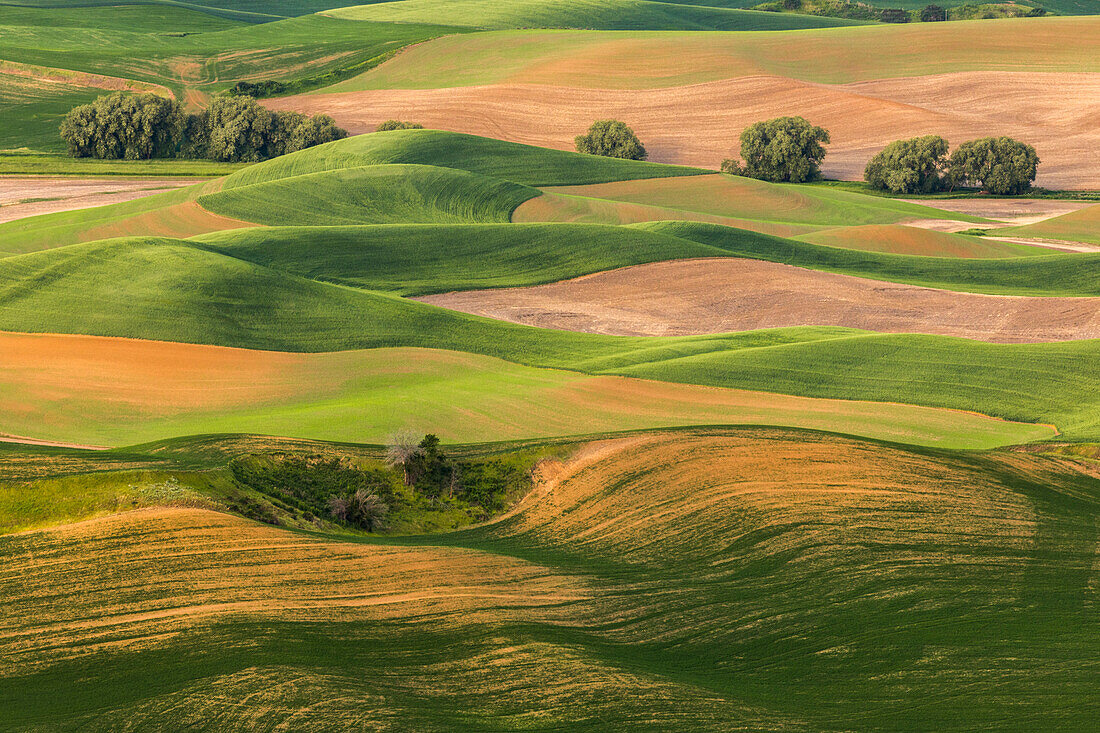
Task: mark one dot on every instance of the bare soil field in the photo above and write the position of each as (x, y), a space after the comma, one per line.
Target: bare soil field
(22, 196)
(719, 295)
(698, 124)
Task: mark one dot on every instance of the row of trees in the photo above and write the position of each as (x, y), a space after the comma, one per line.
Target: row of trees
(233, 129)
(790, 149)
(999, 165)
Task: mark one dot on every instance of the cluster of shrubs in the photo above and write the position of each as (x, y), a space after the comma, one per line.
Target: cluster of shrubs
(855, 10)
(486, 483)
(232, 129)
(334, 489)
(999, 165)
(791, 149)
(398, 125)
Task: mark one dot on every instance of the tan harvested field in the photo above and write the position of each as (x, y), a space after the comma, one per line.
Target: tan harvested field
(1080, 225)
(698, 124)
(913, 240)
(22, 196)
(719, 295)
(1009, 212)
(560, 207)
(693, 556)
(113, 391)
(187, 569)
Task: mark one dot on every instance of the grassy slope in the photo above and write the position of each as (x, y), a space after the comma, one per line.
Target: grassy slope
(417, 259)
(747, 198)
(524, 164)
(176, 291)
(900, 239)
(172, 213)
(111, 392)
(655, 60)
(1077, 226)
(420, 259)
(727, 583)
(376, 194)
(590, 14)
(1055, 275)
(20, 163)
(191, 52)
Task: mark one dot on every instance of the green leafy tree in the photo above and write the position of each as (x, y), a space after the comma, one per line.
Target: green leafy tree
(611, 139)
(781, 149)
(124, 126)
(315, 130)
(933, 14)
(283, 127)
(398, 125)
(999, 165)
(240, 129)
(909, 166)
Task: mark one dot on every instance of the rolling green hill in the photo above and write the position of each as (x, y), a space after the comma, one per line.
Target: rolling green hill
(376, 194)
(592, 14)
(1055, 274)
(417, 260)
(524, 164)
(414, 259)
(178, 291)
(709, 580)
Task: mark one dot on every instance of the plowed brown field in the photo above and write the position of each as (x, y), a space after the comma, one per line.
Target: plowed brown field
(719, 295)
(22, 196)
(698, 124)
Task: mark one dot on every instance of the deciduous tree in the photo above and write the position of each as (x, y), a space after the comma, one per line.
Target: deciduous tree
(781, 149)
(611, 139)
(999, 165)
(909, 166)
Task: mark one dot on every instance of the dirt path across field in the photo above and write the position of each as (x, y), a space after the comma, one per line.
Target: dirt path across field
(698, 124)
(702, 296)
(22, 196)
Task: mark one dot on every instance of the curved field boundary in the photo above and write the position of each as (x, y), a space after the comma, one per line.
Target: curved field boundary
(170, 214)
(694, 297)
(589, 14)
(47, 75)
(173, 290)
(377, 194)
(911, 240)
(698, 123)
(557, 207)
(650, 60)
(1077, 226)
(119, 391)
(735, 196)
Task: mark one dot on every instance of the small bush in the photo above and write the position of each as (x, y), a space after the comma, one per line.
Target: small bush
(398, 125)
(895, 15)
(611, 139)
(259, 89)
